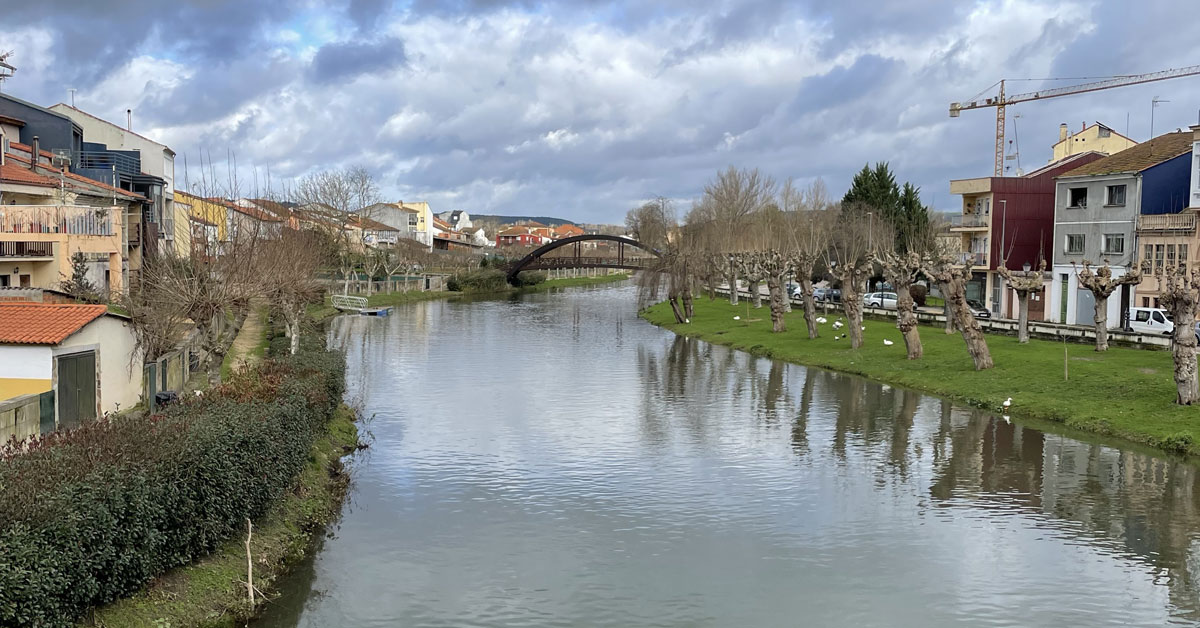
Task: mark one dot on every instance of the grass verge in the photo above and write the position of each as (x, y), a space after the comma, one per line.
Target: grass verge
(1127, 393)
(569, 282)
(212, 591)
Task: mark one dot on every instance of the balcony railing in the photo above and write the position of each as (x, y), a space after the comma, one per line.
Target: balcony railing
(107, 160)
(974, 259)
(969, 220)
(64, 219)
(26, 249)
(1167, 222)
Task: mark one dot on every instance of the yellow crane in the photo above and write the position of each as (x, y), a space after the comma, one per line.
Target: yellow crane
(1000, 101)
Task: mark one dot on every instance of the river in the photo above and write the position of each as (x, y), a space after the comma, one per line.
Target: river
(552, 460)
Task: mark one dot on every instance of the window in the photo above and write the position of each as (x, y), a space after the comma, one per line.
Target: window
(1158, 255)
(1170, 255)
(1183, 255)
(1158, 318)
(1104, 132)
(1114, 243)
(1116, 195)
(1075, 243)
(1077, 197)
(1145, 303)
(1148, 255)
(1143, 315)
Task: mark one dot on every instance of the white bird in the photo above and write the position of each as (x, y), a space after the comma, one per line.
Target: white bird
(864, 329)
(836, 337)
(737, 318)
(837, 324)
(887, 343)
(687, 320)
(1007, 419)
(1007, 403)
(822, 320)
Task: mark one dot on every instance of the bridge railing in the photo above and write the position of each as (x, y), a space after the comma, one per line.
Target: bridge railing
(570, 261)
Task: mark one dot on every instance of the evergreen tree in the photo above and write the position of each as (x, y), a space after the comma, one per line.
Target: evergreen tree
(875, 189)
(78, 285)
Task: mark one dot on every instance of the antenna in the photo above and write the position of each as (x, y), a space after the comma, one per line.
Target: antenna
(1154, 105)
(6, 69)
(72, 90)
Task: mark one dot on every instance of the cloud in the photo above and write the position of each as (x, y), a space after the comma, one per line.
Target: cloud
(584, 108)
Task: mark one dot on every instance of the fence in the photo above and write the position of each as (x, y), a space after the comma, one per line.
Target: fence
(396, 283)
(56, 219)
(1044, 330)
(27, 416)
(171, 371)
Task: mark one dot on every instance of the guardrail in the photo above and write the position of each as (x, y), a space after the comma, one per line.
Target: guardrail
(1167, 222)
(969, 220)
(56, 219)
(26, 249)
(346, 302)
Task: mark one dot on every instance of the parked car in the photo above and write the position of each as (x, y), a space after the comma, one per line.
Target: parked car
(978, 309)
(1150, 320)
(795, 291)
(820, 294)
(884, 300)
(834, 296)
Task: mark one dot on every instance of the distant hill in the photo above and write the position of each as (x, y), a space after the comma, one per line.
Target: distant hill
(508, 220)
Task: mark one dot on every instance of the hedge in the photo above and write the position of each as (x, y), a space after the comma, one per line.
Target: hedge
(93, 514)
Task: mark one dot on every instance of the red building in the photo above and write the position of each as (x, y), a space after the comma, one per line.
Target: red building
(521, 236)
(1009, 218)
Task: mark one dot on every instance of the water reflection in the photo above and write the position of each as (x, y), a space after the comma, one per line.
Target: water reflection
(550, 460)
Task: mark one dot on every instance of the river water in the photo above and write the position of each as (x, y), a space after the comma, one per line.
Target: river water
(552, 460)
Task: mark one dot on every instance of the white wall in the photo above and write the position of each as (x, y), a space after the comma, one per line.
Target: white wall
(1194, 199)
(154, 160)
(25, 362)
(1054, 299)
(117, 360)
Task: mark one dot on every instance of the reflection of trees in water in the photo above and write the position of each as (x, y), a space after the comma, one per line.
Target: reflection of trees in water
(1129, 502)
(800, 423)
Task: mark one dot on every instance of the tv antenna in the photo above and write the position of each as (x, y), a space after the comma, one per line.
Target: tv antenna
(6, 68)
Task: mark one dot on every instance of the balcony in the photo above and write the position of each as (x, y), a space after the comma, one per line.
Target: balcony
(109, 161)
(26, 250)
(1167, 223)
(57, 219)
(970, 222)
(974, 259)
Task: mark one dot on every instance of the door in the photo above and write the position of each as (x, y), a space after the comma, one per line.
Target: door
(76, 389)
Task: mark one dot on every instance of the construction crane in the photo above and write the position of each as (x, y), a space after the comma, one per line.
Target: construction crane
(1000, 101)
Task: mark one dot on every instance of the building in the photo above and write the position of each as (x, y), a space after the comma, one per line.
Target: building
(1095, 138)
(22, 121)
(567, 230)
(84, 355)
(457, 219)
(521, 235)
(413, 221)
(209, 222)
(1168, 239)
(139, 164)
(1007, 217)
(1097, 209)
(478, 236)
(375, 233)
(283, 210)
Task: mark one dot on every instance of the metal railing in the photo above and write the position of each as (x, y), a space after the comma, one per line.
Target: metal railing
(974, 259)
(26, 249)
(106, 160)
(1167, 222)
(65, 219)
(969, 220)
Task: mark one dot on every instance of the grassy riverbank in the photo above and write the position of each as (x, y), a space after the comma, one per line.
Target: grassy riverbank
(212, 591)
(1128, 393)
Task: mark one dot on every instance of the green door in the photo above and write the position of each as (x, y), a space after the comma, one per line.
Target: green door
(76, 389)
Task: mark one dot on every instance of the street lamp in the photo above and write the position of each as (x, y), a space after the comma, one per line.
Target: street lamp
(1026, 266)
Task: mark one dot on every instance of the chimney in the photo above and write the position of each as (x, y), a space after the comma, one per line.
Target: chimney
(129, 119)
(1062, 131)
(36, 152)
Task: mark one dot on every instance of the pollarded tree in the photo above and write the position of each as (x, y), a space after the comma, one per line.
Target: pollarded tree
(808, 231)
(952, 274)
(728, 202)
(850, 254)
(1102, 284)
(902, 270)
(1024, 283)
(1179, 287)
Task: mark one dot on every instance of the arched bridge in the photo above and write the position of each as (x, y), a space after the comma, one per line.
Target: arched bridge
(537, 260)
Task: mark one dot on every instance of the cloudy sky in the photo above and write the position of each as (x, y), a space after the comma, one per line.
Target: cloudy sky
(582, 109)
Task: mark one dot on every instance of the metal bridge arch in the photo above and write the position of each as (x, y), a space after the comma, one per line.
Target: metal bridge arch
(536, 261)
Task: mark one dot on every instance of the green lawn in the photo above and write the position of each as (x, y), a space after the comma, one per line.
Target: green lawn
(1127, 393)
(410, 296)
(567, 282)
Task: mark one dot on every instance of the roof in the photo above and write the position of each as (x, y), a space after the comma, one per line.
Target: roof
(21, 174)
(438, 222)
(1093, 125)
(28, 323)
(514, 231)
(1140, 157)
(282, 210)
(115, 126)
(1061, 162)
(71, 175)
(13, 121)
(363, 222)
(40, 108)
(252, 212)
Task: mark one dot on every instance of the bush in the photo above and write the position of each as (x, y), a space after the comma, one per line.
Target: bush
(530, 278)
(482, 280)
(91, 515)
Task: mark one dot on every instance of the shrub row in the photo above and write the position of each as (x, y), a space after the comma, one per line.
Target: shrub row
(91, 515)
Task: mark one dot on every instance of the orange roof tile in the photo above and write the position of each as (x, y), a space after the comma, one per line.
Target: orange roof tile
(71, 175)
(16, 173)
(44, 323)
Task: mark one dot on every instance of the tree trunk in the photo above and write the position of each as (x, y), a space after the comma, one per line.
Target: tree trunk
(947, 308)
(674, 299)
(853, 306)
(712, 289)
(1101, 320)
(810, 308)
(971, 332)
(733, 287)
(906, 321)
(1183, 351)
(1022, 316)
(755, 293)
(787, 297)
(775, 290)
(688, 310)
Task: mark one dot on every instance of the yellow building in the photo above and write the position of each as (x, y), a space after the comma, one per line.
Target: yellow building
(206, 210)
(1096, 137)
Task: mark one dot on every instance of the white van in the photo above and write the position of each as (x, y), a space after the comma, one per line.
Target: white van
(1150, 320)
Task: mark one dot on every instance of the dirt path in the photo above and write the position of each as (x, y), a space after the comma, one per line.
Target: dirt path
(245, 348)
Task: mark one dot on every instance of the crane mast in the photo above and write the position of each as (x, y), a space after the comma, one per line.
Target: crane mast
(1001, 101)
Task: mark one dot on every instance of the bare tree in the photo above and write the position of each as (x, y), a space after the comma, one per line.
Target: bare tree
(288, 270)
(1102, 284)
(1024, 283)
(902, 270)
(774, 266)
(849, 256)
(808, 233)
(1179, 286)
(952, 274)
(729, 200)
(330, 201)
